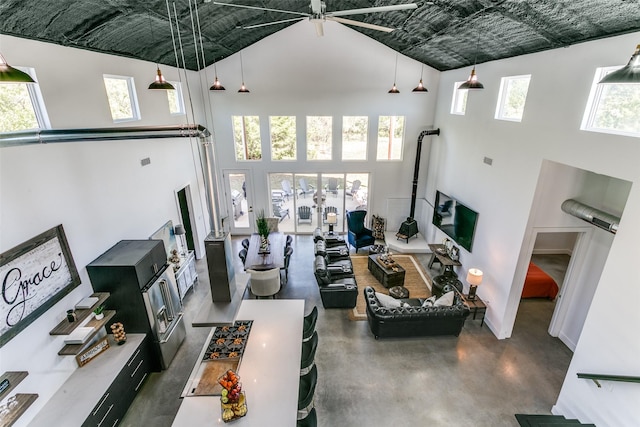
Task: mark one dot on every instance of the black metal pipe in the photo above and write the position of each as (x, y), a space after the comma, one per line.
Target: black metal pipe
(48, 136)
(416, 169)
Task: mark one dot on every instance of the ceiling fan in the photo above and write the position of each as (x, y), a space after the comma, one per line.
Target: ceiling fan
(319, 14)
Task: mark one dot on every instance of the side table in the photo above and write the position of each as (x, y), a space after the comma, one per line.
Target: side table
(439, 255)
(477, 306)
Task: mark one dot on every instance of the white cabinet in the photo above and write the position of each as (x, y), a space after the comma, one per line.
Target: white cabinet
(186, 275)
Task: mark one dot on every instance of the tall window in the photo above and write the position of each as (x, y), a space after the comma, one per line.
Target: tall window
(390, 137)
(459, 100)
(176, 100)
(283, 137)
(612, 108)
(121, 92)
(354, 137)
(319, 137)
(21, 106)
(512, 97)
(246, 137)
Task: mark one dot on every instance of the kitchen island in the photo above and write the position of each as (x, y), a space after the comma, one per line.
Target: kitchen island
(269, 369)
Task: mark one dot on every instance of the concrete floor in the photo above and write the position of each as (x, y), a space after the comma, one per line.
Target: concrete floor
(470, 380)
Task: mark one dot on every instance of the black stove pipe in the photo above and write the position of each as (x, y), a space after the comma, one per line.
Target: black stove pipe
(416, 169)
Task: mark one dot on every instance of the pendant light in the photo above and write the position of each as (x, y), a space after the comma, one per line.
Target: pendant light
(394, 89)
(630, 73)
(243, 88)
(216, 83)
(472, 82)
(159, 82)
(8, 74)
(420, 87)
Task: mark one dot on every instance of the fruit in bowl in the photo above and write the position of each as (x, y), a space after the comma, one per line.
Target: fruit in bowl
(232, 398)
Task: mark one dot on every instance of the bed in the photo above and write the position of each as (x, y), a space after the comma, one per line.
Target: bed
(539, 284)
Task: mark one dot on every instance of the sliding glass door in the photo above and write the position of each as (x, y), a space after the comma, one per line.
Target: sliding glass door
(304, 201)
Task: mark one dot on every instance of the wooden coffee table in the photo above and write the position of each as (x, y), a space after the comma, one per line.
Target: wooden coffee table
(387, 276)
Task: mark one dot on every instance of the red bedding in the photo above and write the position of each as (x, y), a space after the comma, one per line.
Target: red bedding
(539, 284)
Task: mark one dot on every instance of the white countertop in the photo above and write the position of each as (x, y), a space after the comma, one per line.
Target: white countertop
(73, 402)
(269, 371)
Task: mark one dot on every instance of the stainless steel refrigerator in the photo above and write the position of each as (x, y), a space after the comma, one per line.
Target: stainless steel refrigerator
(144, 294)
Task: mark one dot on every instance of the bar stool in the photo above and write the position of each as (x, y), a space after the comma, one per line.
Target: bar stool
(309, 325)
(308, 354)
(305, 393)
(311, 420)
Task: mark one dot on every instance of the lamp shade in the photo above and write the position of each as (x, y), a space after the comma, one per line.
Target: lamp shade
(420, 88)
(8, 74)
(474, 276)
(630, 73)
(179, 230)
(332, 218)
(217, 85)
(472, 82)
(160, 82)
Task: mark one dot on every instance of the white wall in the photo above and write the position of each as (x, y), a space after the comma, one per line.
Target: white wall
(555, 243)
(98, 191)
(294, 72)
(504, 195)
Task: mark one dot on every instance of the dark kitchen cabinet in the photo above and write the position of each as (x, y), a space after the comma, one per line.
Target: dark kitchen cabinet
(115, 402)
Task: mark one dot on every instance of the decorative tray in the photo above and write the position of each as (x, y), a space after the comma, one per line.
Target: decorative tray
(228, 342)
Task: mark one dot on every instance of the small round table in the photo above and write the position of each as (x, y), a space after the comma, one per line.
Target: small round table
(399, 292)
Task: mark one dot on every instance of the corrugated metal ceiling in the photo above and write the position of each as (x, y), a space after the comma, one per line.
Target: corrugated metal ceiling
(441, 34)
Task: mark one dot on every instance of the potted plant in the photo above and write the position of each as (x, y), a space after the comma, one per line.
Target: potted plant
(263, 230)
(98, 311)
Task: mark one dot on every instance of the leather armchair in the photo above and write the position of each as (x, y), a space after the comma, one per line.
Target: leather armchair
(359, 236)
(338, 289)
(335, 253)
(330, 241)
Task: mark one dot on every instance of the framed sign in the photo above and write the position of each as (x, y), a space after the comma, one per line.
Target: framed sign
(91, 352)
(34, 276)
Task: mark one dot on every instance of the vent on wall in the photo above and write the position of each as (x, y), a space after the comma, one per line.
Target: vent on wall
(592, 215)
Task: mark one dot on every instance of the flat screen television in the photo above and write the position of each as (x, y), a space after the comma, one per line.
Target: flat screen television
(455, 220)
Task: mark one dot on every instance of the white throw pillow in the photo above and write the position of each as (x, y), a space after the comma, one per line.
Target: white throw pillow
(445, 300)
(387, 301)
(428, 302)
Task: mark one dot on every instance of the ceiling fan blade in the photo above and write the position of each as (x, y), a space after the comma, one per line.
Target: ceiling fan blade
(260, 8)
(373, 9)
(271, 23)
(359, 24)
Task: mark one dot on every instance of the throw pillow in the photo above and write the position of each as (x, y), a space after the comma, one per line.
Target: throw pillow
(429, 302)
(387, 301)
(445, 300)
(377, 225)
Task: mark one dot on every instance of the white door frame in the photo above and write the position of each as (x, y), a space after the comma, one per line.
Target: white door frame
(569, 287)
(229, 205)
(198, 243)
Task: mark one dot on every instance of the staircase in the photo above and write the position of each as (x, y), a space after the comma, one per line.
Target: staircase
(547, 420)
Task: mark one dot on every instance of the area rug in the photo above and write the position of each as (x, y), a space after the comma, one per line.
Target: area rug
(416, 280)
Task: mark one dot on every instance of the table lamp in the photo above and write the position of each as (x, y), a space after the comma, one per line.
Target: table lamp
(179, 231)
(474, 278)
(332, 219)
